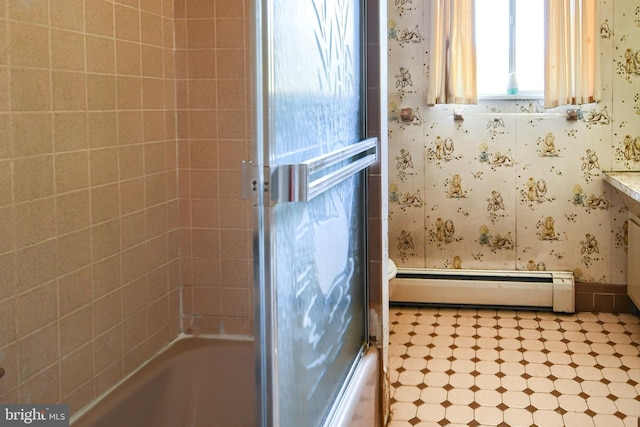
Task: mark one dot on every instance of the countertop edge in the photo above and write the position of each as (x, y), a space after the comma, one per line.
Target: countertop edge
(629, 186)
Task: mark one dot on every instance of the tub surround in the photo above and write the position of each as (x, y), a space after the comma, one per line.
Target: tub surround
(123, 124)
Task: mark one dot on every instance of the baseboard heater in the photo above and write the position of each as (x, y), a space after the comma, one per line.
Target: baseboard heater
(553, 290)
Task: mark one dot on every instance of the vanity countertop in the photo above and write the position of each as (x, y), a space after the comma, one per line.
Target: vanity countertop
(628, 182)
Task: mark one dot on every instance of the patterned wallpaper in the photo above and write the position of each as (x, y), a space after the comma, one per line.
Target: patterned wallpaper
(501, 190)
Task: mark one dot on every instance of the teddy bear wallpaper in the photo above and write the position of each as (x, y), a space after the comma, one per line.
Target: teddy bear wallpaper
(512, 186)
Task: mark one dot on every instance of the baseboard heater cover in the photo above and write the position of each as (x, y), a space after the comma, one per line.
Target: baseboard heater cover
(549, 289)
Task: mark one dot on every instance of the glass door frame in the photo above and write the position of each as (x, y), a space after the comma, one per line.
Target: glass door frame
(257, 182)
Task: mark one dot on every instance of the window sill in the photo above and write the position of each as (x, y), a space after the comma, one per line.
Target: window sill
(522, 96)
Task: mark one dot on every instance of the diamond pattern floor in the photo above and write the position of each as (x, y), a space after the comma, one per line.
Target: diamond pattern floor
(506, 368)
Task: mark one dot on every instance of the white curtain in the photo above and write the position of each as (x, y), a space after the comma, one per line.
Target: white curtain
(452, 54)
(572, 60)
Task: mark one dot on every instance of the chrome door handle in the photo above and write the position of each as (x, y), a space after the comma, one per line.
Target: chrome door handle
(295, 183)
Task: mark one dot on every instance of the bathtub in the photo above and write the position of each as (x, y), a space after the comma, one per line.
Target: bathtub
(194, 382)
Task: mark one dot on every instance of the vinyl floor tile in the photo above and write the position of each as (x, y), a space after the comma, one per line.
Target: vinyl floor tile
(483, 367)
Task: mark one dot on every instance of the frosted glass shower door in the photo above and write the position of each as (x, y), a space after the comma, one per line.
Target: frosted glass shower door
(311, 263)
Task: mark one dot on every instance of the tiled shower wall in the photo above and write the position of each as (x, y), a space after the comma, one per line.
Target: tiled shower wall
(504, 192)
(98, 110)
(213, 88)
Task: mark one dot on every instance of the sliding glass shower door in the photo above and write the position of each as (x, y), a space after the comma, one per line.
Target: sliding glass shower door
(308, 181)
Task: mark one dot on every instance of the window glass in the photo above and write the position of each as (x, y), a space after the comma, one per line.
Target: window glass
(494, 51)
(530, 45)
(492, 45)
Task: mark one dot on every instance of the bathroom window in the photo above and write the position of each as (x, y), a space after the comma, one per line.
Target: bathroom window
(510, 39)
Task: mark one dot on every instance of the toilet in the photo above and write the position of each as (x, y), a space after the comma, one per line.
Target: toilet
(392, 271)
